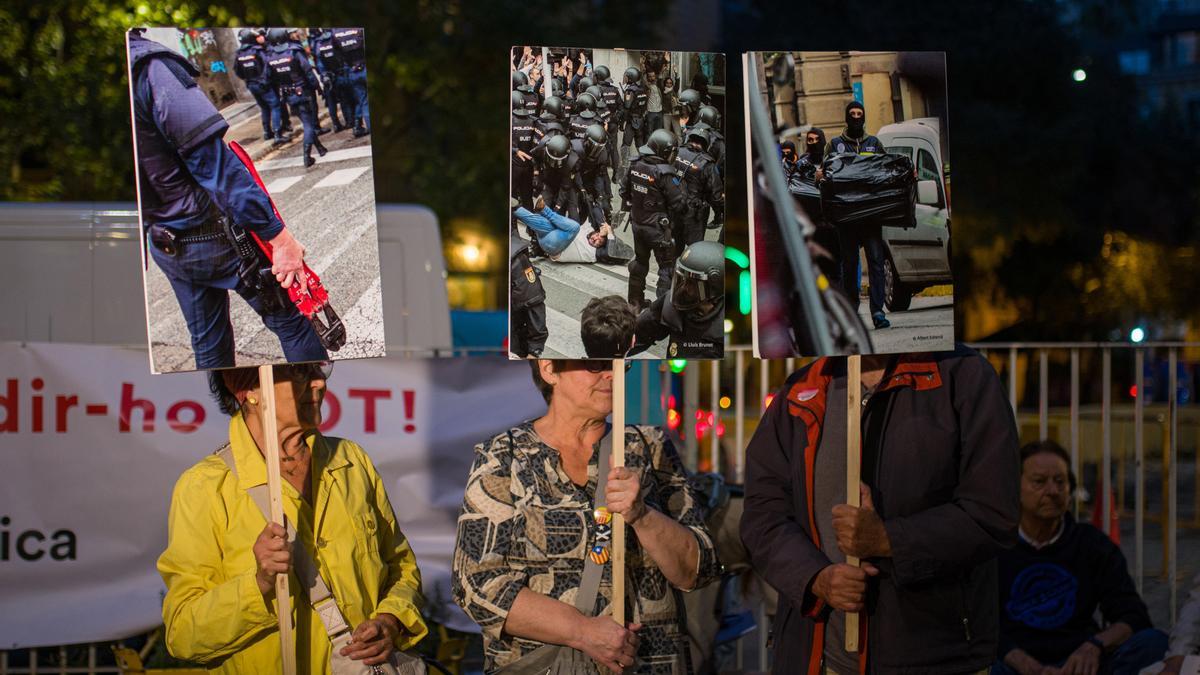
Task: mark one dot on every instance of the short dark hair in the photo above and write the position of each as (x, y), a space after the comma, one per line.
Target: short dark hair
(243, 378)
(223, 383)
(1048, 446)
(544, 387)
(607, 327)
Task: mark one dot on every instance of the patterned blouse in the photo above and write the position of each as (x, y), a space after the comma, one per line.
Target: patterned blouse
(524, 524)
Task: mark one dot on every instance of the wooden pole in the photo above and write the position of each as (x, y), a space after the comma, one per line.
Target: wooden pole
(283, 598)
(853, 467)
(618, 459)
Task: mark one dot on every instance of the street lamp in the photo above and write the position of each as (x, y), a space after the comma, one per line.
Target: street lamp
(1079, 75)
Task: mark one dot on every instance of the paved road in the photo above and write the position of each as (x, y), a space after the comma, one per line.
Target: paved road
(330, 208)
(927, 325)
(569, 286)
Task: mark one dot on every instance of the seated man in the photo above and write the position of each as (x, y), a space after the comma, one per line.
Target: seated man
(596, 246)
(1056, 577)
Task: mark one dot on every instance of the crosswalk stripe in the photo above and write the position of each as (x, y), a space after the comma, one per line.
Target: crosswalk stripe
(342, 177)
(331, 156)
(280, 184)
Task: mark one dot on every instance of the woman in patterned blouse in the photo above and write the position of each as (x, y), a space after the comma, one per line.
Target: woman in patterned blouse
(527, 527)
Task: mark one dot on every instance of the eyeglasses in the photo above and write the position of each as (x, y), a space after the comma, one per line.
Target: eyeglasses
(304, 372)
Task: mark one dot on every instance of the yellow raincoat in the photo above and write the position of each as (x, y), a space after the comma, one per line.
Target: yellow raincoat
(213, 610)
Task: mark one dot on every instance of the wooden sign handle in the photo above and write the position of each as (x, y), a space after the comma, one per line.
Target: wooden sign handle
(618, 459)
(853, 467)
(283, 598)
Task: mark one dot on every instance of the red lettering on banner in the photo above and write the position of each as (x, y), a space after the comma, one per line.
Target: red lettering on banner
(185, 427)
(38, 422)
(9, 403)
(368, 396)
(61, 405)
(329, 420)
(410, 409)
(128, 403)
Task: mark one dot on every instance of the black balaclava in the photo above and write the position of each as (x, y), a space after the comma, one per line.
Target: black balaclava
(815, 150)
(855, 128)
(788, 145)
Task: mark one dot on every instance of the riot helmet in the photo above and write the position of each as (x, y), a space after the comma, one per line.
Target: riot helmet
(314, 33)
(601, 73)
(710, 116)
(552, 108)
(557, 151)
(690, 100)
(698, 283)
(595, 140)
(277, 36)
(661, 144)
(520, 81)
(247, 36)
(700, 134)
(518, 104)
(594, 90)
(632, 75)
(585, 105)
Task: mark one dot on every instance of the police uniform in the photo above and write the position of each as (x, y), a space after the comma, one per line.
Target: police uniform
(189, 182)
(593, 176)
(329, 66)
(293, 77)
(654, 192)
(527, 303)
(561, 185)
(611, 95)
(580, 123)
(635, 131)
(523, 140)
(702, 183)
(689, 337)
(351, 47)
(250, 64)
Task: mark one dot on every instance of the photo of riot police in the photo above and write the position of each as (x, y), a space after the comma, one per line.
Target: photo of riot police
(617, 189)
(254, 178)
(849, 203)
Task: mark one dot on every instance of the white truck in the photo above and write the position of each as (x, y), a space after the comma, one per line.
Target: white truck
(918, 257)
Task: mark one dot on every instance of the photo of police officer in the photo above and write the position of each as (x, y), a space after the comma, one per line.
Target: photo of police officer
(862, 149)
(232, 199)
(615, 173)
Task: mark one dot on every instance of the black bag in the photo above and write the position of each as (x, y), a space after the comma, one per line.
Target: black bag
(802, 182)
(869, 189)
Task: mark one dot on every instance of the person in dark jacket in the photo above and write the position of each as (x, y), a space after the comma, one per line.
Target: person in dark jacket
(1056, 578)
(869, 236)
(939, 501)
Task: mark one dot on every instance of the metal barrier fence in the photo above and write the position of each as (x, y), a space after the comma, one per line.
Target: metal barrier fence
(1066, 391)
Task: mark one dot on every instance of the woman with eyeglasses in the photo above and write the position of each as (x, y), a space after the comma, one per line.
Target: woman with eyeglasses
(536, 524)
(223, 555)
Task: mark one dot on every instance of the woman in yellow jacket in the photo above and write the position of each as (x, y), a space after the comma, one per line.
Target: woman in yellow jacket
(222, 556)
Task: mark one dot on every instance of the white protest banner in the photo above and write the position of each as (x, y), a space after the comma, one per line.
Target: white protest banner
(91, 446)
